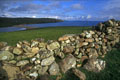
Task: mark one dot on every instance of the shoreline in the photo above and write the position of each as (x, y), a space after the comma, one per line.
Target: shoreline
(23, 26)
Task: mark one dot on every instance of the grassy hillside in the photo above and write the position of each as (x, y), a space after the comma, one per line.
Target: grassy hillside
(7, 22)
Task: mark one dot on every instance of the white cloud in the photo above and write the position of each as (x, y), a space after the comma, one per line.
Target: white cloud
(82, 17)
(7, 15)
(89, 16)
(57, 17)
(33, 16)
(112, 9)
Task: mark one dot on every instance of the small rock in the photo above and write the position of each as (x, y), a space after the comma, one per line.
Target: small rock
(76, 51)
(47, 61)
(43, 70)
(34, 43)
(68, 49)
(88, 35)
(93, 53)
(67, 41)
(6, 55)
(63, 38)
(45, 54)
(35, 50)
(81, 39)
(79, 65)
(29, 54)
(3, 44)
(7, 48)
(42, 45)
(80, 55)
(17, 51)
(80, 44)
(19, 45)
(110, 37)
(34, 74)
(12, 62)
(85, 43)
(97, 46)
(66, 37)
(26, 42)
(53, 46)
(37, 62)
(22, 63)
(26, 48)
(92, 32)
(89, 40)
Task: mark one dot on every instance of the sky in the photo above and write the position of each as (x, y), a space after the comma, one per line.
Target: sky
(92, 10)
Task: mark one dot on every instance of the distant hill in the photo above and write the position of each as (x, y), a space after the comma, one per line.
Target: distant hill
(7, 22)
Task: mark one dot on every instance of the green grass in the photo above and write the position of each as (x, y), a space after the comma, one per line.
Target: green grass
(112, 58)
(47, 33)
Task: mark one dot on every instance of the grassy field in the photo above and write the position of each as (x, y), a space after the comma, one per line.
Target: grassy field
(112, 58)
(47, 33)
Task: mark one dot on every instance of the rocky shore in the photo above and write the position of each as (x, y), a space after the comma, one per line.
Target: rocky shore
(30, 60)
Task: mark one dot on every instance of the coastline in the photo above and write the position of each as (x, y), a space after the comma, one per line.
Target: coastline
(23, 26)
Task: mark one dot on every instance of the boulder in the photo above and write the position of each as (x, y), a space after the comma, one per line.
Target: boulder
(54, 69)
(67, 63)
(11, 71)
(95, 65)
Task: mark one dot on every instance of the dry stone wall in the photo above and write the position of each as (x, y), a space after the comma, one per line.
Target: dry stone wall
(36, 58)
